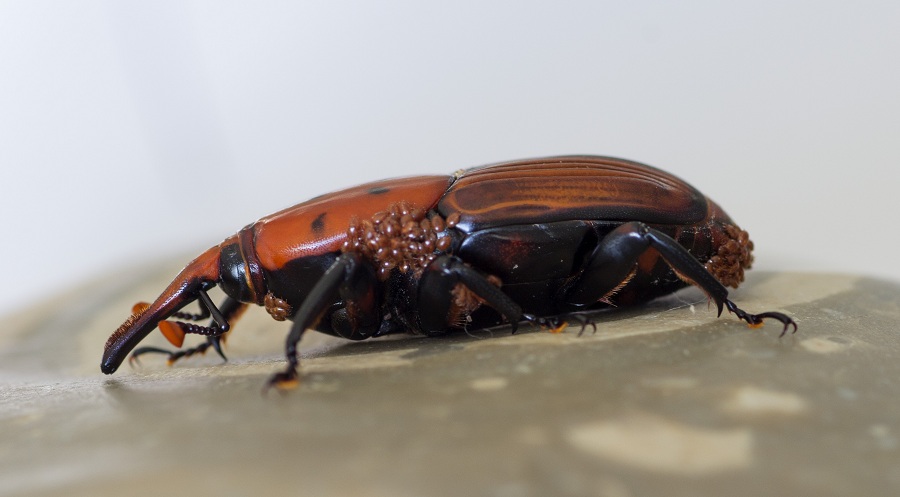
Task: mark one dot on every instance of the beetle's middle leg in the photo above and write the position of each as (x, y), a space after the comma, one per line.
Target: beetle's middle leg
(450, 289)
(613, 262)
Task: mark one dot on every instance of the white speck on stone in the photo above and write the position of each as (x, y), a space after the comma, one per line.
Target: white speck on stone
(656, 444)
(522, 369)
(883, 437)
(753, 400)
(533, 435)
(390, 359)
(489, 384)
(671, 383)
(822, 345)
(847, 394)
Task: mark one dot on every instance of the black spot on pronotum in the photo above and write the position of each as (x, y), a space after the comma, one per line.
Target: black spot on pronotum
(318, 224)
(378, 190)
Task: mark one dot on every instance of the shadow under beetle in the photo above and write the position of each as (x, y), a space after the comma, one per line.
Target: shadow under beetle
(530, 240)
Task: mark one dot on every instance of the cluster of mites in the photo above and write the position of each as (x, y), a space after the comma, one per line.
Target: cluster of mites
(733, 256)
(401, 237)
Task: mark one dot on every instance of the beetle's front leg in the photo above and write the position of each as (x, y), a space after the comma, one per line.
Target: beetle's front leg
(613, 262)
(229, 311)
(350, 279)
(174, 355)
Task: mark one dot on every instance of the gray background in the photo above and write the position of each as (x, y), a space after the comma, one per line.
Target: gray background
(132, 132)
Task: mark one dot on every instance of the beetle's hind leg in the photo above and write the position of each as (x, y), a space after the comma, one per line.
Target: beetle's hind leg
(582, 320)
(613, 262)
(756, 320)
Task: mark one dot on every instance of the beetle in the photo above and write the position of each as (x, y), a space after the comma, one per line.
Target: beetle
(538, 240)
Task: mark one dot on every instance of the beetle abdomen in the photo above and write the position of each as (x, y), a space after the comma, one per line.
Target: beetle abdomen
(530, 253)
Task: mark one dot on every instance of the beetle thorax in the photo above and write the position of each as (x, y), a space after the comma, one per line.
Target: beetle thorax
(402, 237)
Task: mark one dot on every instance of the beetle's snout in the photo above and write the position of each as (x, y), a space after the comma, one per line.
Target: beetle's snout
(116, 341)
(196, 276)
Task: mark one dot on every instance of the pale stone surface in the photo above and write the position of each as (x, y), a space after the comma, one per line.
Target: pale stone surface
(662, 400)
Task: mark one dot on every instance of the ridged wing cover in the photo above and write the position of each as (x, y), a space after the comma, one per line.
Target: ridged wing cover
(568, 188)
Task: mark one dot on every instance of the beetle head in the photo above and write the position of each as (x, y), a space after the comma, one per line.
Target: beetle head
(240, 272)
(201, 274)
